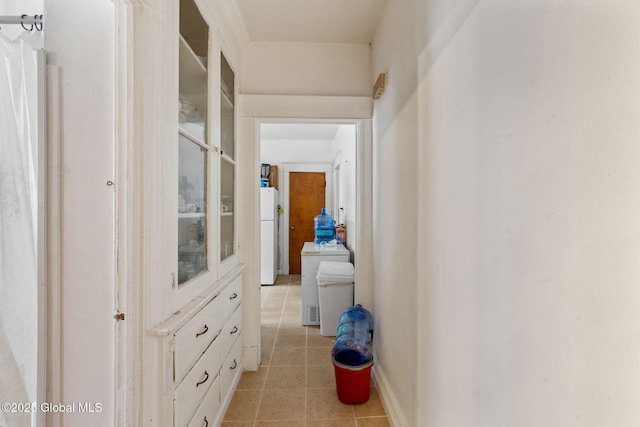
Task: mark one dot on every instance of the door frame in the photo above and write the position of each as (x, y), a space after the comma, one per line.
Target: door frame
(336, 178)
(287, 168)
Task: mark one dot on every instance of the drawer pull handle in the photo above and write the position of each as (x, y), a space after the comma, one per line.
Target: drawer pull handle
(235, 365)
(206, 423)
(204, 380)
(234, 296)
(204, 331)
(234, 330)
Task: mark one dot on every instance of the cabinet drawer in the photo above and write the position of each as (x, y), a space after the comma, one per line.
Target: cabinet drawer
(207, 413)
(231, 368)
(193, 388)
(231, 331)
(193, 338)
(231, 296)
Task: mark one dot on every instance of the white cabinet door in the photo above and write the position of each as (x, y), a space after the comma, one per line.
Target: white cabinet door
(231, 370)
(207, 413)
(193, 338)
(231, 331)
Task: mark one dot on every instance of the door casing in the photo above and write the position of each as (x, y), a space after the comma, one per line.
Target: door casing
(256, 109)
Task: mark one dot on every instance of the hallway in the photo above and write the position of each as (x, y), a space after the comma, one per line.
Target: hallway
(295, 384)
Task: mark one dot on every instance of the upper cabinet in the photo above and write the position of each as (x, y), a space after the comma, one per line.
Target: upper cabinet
(183, 212)
(204, 164)
(195, 152)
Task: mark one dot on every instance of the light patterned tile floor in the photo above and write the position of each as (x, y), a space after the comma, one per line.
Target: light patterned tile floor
(295, 384)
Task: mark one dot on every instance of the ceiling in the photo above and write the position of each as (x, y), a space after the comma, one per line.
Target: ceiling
(311, 21)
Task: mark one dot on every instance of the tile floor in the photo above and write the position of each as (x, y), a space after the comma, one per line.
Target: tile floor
(295, 384)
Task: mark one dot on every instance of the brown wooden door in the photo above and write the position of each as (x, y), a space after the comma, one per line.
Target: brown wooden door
(306, 200)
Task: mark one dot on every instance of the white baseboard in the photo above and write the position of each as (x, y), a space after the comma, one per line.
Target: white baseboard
(389, 400)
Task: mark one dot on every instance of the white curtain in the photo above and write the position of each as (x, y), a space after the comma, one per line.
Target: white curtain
(18, 215)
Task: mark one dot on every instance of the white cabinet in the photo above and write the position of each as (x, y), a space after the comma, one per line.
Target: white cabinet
(196, 341)
(200, 167)
(201, 354)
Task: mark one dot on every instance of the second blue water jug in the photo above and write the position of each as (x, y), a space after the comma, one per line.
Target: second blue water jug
(324, 227)
(354, 339)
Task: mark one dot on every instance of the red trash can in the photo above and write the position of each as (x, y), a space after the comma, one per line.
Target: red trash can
(353, 382)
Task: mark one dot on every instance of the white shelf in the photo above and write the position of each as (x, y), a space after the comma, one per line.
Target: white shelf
(226, 213)
(191, 215)
(226, 104)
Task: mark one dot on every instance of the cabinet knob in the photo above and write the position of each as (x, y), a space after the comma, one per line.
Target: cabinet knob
(293, 228)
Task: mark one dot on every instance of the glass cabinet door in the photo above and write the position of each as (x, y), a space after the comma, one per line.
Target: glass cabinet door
(192, 209)
(194, 151)
(227, 160)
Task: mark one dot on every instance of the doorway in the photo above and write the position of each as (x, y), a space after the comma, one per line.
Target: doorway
(287, 111)
(301, 150)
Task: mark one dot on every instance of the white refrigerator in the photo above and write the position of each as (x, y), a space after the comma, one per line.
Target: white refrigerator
(268, 235)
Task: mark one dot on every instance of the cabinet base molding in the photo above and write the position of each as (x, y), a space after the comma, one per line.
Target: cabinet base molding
(250, 358)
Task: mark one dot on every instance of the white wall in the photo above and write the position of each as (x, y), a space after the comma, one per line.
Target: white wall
(344, 145)
(19, 8)
(79, 39)
(277, 152)
(306, 69)
(523, 118)
(395, 216)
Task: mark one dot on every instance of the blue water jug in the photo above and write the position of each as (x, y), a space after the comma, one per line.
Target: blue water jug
(324, 227)
(354, 339)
